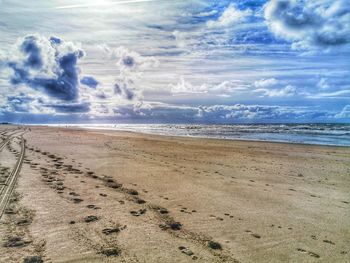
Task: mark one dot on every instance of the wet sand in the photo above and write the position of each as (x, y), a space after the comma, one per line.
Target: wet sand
(107, 196)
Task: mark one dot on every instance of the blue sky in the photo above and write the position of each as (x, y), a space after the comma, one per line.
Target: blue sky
(182, 61)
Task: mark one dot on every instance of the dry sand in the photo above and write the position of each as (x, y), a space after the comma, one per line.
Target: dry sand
(107, 196)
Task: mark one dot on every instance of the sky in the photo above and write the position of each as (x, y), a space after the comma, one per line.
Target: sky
(174, 61)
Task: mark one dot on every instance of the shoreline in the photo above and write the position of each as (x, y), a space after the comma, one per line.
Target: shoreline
(192, 137)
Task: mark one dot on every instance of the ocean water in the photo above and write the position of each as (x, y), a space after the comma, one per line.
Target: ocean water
(319, 134)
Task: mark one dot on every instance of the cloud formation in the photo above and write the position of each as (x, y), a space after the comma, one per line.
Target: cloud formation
(46, 64)
(272, 87)
(237, 112)
(131, 66)
(165, 113)
(223, 89)
(308, 24)
(185, 87)
(44, 77)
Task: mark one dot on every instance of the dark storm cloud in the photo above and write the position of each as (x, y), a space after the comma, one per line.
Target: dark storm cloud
(117, 89)
(121, 88)
(70, 108)
(55, 40)
(310, 23)
(19, 99)
(33, 52)
(89, 81)
(48, 65)
(128, 61)
(19, 103)
(129, 95)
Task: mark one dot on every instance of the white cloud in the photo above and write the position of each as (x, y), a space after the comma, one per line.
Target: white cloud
(230, 17)
(206, 14)
(237, 111)
(131, 61)
(130, 66)
(185, 87)
(272, 87)
(225, 88)
(287, 91)
(266, 83)
(241, 112)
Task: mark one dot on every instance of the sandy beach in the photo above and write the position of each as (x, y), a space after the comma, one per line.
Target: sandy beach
(108, 196)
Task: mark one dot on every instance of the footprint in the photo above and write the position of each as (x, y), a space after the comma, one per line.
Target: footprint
(90, 219)
(138, 201)
(110, 231)
(186, 251)
(214, 245)
(110, 252)
(93, 207)
(312, 254)
(328, 241)
(256, 235)
(171, 225)
(139, 212)
(216, 217)
(130, 191)
(77, 200)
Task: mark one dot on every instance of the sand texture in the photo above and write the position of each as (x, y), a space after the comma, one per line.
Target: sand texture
(107, 196)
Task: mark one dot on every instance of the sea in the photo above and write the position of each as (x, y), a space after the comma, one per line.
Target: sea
(318, 134)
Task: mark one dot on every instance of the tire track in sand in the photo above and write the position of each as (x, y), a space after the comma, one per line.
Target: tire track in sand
(7, 189)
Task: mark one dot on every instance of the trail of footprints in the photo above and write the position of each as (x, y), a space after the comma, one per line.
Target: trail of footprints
(55, 177)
